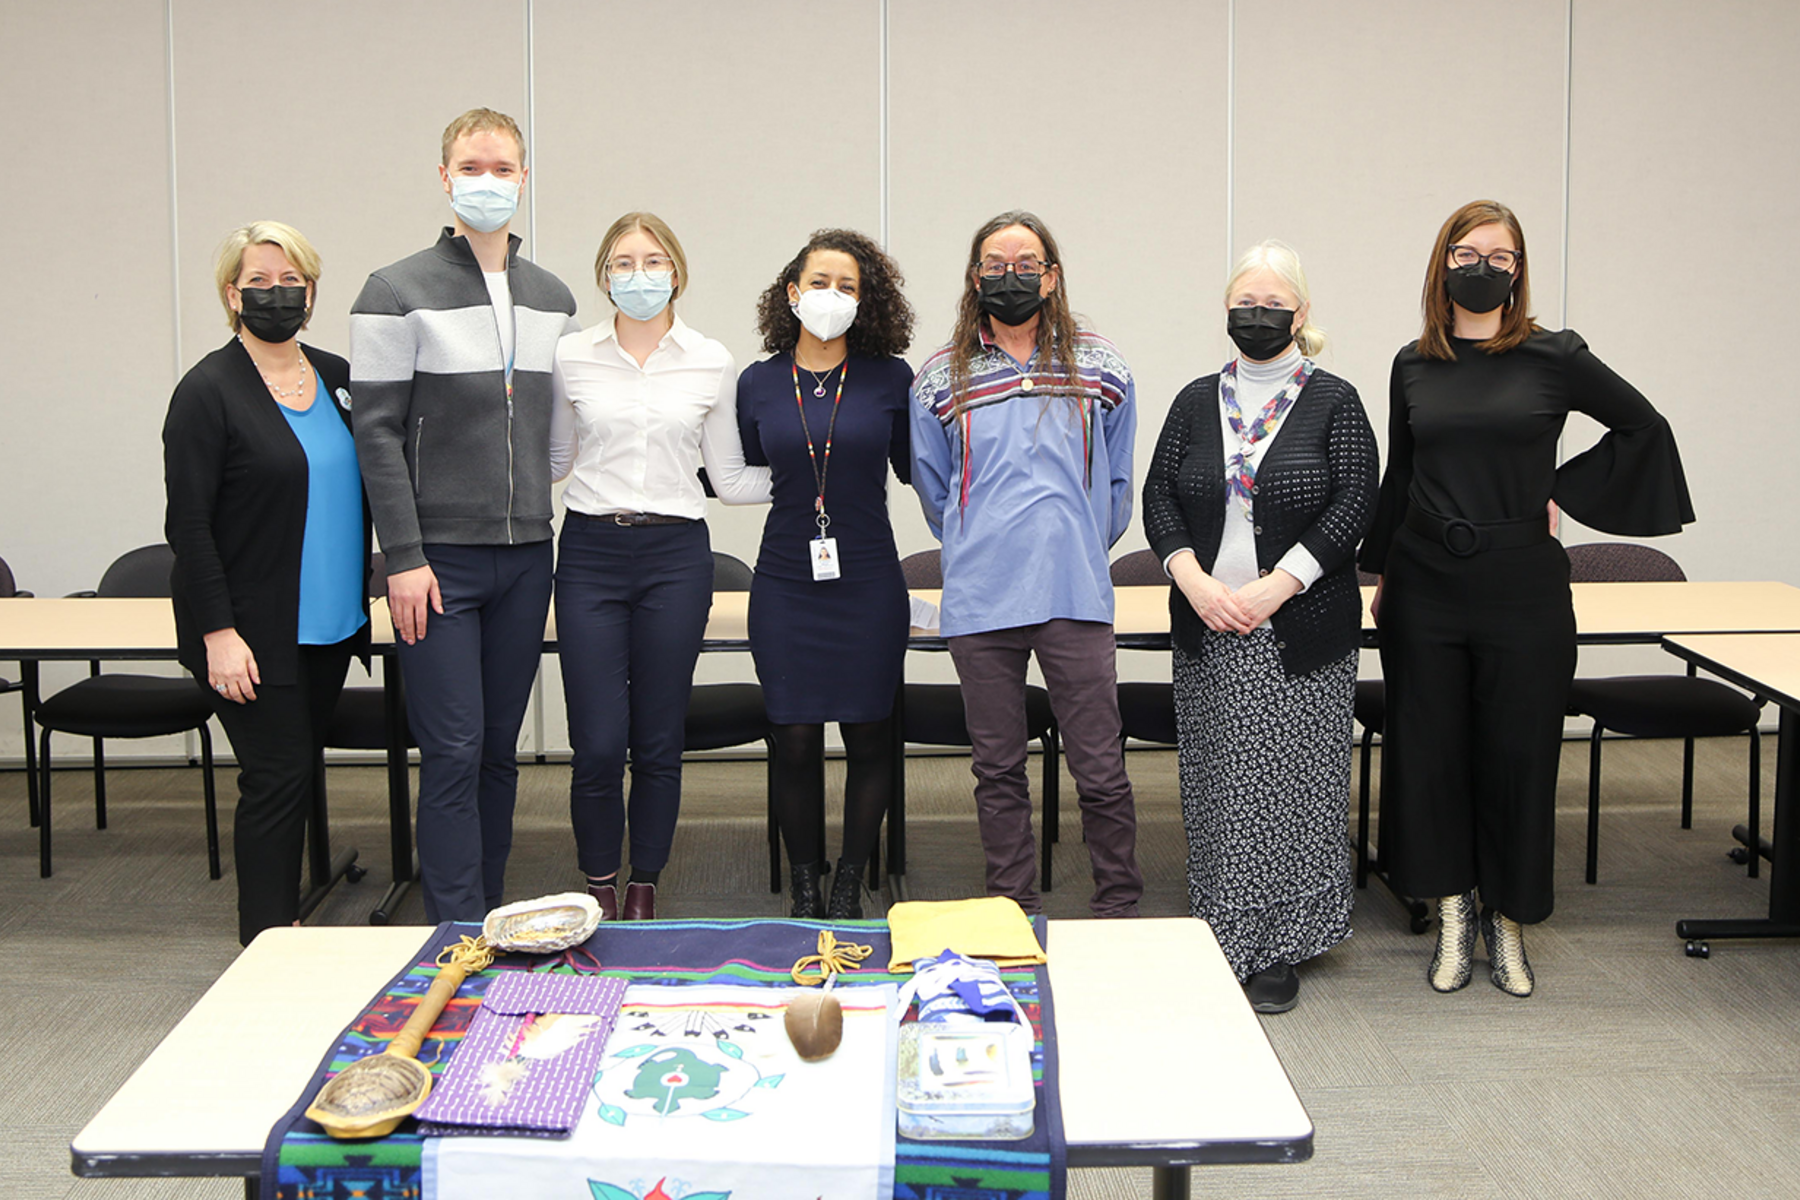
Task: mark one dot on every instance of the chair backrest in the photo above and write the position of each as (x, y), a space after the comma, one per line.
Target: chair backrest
(1140, 568)
(924, 569)
(377, 575)
(8, 589)
(1366, 578)
(731, 574)
(1622, 562)
(142, 572)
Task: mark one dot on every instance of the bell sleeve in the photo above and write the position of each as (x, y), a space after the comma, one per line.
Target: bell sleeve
(1630, 482)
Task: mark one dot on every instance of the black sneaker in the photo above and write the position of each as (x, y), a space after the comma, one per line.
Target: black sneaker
(1273, 989)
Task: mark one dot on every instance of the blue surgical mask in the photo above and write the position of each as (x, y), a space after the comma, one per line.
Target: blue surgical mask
(484, 203)
(641, 294)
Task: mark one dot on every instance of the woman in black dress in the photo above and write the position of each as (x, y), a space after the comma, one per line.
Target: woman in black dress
(1477, 627)
(829, 612)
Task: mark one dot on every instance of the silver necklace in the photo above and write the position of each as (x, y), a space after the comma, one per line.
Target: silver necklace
(280, 393)
(820, 379)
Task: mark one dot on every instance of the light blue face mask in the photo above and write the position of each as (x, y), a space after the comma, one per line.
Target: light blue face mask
(641, 295)
(483, 202)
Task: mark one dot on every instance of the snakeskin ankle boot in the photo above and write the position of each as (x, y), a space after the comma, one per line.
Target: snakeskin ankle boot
(1454, 960)
(1508, 967)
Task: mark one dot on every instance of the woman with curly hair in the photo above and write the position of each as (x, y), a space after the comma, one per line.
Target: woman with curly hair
(829, 612)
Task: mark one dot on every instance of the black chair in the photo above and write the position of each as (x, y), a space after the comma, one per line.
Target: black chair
(931, 714)
(1146, 710)
(131, 706)
(732, 714)
(1659, 706)
(8, 591)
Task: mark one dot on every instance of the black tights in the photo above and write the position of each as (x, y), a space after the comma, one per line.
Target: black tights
(800, 787)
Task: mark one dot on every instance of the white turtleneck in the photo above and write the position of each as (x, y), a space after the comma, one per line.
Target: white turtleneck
(1257, 384)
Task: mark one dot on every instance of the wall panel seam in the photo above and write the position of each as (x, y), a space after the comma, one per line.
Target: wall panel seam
(174, 191)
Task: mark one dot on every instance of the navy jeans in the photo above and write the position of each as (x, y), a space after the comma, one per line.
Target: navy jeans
(631, 609)
(468, 681)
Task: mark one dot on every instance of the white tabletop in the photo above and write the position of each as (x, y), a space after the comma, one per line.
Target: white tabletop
(205, 1099)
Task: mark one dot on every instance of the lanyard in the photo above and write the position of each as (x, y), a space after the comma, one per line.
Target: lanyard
(819, 471)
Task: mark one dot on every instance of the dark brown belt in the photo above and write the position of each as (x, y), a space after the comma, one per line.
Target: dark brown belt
(1466, 538)
(631, 518)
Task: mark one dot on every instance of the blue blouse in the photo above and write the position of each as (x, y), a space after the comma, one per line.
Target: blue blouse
(331, 555)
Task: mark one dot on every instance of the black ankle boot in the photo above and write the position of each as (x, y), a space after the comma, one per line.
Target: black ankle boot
(809, 905)
(846, 893)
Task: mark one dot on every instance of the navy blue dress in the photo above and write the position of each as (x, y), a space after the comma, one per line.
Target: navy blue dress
(828, 650)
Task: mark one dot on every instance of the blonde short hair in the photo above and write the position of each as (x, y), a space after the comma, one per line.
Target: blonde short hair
(1279, 259)
(482, 120)
(657, 228)
(291, 242)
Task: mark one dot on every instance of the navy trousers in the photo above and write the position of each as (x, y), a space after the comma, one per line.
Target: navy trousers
(468, 681)
(631, 609)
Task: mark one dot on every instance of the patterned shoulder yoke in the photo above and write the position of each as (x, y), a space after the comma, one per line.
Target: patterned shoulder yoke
(995, 378)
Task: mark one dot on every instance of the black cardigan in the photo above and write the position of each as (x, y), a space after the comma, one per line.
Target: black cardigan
(236, 478)
(1316, 486)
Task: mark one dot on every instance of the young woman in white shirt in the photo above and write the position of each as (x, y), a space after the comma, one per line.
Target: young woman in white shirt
(641, 402)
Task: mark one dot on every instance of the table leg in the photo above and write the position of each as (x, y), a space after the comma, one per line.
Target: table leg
(1169, 1183)
(28, 678)
(323, 870)
(1783, 920)
(400, 840)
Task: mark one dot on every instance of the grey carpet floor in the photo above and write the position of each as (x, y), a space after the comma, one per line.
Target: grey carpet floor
(1634, 1072)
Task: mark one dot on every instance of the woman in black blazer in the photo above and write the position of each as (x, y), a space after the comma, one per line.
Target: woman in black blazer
(1263, 482)
(271, 538)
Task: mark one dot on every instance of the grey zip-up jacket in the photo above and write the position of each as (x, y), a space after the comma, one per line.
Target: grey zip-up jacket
(446, 455)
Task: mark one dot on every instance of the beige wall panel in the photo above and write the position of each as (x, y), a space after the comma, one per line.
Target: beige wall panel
(1354, 142)
(1682, 121)
(327, 115)
(85, 327)
(746, 127)
(1110, 125)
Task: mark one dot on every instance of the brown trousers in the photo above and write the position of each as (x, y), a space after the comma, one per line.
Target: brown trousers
(1077, 659)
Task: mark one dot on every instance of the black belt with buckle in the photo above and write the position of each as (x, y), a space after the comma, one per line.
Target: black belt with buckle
(1466, 538)
(633, 518)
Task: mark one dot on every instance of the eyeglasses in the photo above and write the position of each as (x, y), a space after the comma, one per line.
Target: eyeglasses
(653, 266)
(1028, 270)
(1500, 260)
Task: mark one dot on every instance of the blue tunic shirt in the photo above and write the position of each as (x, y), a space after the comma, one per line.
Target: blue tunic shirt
(331, 555)
(1028, 487)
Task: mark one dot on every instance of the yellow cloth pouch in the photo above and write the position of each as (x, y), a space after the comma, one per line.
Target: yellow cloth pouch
(993, 927)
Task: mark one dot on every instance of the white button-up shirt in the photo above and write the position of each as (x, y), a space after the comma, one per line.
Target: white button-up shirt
(632, 436)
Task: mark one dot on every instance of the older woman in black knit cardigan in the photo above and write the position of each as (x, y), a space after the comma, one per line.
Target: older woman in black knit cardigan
(1263, 483)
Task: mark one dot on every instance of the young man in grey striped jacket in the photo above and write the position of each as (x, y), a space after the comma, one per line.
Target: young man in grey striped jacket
(450, 357)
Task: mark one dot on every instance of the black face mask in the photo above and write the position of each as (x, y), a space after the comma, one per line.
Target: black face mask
(1260, 333)
(273, 314)
(1479, 288)
(1010, 300)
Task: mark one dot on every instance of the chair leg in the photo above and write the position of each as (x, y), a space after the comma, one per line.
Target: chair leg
(1687, 783)
(44, 805)
(1052, 801)
(1362, 811)
(99, 783)
(1755, 843)
(1593, 829)
(774, 830)
(212, 803)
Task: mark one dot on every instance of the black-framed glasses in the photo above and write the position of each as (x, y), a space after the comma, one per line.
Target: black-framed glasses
(1030, 270)
(654, 265)
(1500, 260)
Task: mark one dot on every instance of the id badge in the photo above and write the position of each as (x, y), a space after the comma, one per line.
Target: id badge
(824, 553)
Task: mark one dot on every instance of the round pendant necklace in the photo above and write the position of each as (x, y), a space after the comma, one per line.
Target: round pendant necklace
(820, 380)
